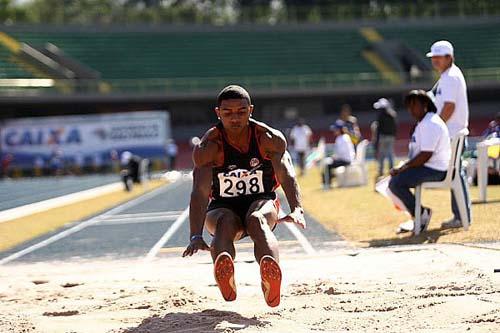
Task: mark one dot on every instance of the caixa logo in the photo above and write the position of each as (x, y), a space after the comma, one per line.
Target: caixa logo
(32, 137)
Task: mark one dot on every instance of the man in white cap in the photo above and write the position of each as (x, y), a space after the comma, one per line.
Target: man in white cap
(451, 102)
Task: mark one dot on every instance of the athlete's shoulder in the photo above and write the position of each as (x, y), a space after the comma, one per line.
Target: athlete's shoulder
(205, 152)
(271, 139)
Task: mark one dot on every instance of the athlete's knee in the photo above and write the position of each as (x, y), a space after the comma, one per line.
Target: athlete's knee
(395, 183)
(226, 223)
(256, 224)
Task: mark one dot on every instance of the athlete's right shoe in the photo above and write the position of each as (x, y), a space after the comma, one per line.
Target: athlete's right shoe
(224, 276)
(270, 273)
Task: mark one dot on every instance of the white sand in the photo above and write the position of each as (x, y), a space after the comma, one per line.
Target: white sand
(428, 288)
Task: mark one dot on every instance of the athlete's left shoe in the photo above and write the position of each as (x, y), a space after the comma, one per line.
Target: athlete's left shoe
(224, 276)
(270, 273)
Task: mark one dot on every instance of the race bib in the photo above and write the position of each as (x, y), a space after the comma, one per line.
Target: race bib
(240, 182)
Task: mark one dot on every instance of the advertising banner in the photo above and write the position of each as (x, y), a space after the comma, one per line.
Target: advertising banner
(84, 139)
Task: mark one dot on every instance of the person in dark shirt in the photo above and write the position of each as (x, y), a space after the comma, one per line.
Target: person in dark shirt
(130, 173)
(349, 122)
(386, 134)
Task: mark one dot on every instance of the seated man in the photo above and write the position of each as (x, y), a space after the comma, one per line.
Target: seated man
(430, 153)
(343, 154)
(349, 122)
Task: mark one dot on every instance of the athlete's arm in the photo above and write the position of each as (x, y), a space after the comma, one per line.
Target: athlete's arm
(203, 158)
(448, 109)
(274, 145)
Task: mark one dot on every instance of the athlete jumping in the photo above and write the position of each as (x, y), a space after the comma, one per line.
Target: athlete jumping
(238, 165)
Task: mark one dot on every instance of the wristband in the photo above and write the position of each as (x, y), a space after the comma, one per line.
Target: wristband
(195, 237)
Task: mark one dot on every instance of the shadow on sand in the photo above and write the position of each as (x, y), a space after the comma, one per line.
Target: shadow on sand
(428, 237)
(208, 321)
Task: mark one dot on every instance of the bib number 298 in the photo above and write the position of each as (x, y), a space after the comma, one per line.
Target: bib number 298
(236, 186)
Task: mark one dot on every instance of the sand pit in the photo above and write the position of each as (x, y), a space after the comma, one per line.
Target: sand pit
(425, 288)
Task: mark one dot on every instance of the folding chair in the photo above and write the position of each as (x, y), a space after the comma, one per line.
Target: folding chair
(452, 180)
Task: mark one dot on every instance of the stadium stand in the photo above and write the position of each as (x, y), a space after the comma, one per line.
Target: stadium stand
(9, 68)
(287, 57)
(477, 46)
(128, 55)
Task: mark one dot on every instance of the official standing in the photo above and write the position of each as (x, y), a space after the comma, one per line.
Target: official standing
(451, 102)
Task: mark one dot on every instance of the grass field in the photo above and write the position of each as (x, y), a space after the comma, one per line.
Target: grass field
(365, 218)
(17, 231)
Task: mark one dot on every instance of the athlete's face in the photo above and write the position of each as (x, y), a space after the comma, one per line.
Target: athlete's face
(441, 63)
(234, 113)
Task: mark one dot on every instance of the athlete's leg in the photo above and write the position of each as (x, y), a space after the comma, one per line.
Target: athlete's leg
(261, 218)
(226, 227)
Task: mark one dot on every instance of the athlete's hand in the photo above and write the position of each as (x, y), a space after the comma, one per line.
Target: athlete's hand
(195, 246)
(297, 217)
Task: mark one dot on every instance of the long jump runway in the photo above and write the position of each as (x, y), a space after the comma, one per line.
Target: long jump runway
(155, 224)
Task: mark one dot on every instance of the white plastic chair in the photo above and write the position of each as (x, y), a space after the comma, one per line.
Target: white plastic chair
(355, 174)
(452, 180)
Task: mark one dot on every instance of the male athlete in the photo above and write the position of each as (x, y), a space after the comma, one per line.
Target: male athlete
(238, 165)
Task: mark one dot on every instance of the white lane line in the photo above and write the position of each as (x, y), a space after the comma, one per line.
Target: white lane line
(168, 234)
(149, 214)
(152, 219)
(84, 224)
(299, 235)
(29, 209)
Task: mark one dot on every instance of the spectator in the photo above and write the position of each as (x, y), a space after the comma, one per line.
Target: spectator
(4, 168)
(300, 138)
(172, 151)
(79, 162)
(430, 153)
(493, 130)
(386, 134)
(115, 161)
(347, 120)
(453, 107)
(343, 154)
(39, 166)
(130, 172)
(57, 162)
(97, 162)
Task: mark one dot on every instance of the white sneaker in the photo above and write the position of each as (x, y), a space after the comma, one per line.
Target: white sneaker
(452, 223)
(406, 226)
(409, 225)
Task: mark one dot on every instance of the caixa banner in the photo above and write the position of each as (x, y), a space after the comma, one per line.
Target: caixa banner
(84, 139)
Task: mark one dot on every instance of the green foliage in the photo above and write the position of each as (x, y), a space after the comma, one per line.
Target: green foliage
(220, 12)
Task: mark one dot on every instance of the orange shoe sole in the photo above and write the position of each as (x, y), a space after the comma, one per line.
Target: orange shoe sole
(270, 273)
(224, 276)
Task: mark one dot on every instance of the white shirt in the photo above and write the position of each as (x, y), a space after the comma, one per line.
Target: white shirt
(431, 135)
(451, 87)
(172, 149)
(343, 148)
(301, 136)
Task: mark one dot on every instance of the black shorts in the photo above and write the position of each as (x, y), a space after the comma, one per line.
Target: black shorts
(241, 205)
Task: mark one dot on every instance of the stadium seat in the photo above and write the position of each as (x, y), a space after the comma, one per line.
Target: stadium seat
(452, 181)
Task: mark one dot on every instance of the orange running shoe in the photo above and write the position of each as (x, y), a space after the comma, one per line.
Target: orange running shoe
(270, 273)
(224, 276)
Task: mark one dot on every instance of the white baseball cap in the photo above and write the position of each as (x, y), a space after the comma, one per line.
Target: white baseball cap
(126, 156)
(382, 103)
(440, 48)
